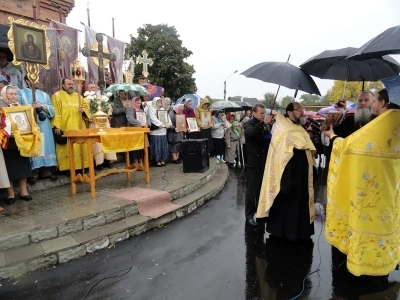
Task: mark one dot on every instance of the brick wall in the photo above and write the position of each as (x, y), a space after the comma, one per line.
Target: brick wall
(46, 10)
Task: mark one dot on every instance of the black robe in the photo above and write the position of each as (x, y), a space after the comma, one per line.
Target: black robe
(289, 216)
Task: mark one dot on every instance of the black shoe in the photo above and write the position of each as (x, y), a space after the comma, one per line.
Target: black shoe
(252, 222)
(10, 201)
(26, 197)
(32, 180)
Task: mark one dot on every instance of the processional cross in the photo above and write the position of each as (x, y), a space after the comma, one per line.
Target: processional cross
(145, 61)
(102, 55)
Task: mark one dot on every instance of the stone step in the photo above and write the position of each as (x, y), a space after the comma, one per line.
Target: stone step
(99, 214)
(42, 254)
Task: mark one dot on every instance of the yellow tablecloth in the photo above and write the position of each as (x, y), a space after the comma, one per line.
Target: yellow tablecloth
(122, 141)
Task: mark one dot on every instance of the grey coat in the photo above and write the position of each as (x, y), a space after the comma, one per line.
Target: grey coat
(118, 114)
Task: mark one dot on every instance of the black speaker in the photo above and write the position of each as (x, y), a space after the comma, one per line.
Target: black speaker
(195, 156)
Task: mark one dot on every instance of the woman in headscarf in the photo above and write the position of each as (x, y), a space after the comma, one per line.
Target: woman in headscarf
(175, 137)
(18, 167)
(232, 140)
(158, 136)
(205, 131)
(131, 116)
(188, 111)
(218, 133)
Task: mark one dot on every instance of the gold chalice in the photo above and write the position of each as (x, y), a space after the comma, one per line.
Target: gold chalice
(100, 119)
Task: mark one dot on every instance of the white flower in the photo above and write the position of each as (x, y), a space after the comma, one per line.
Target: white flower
(98, 102)
(92, 93)
(90, 98)
(104, 98)
(86, 94)
(109, 94)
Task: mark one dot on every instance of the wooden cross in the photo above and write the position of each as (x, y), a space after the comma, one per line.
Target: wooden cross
(145, 61)
(100, 55)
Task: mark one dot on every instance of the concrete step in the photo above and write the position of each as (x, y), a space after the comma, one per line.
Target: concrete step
(16, 261)
(42, 228)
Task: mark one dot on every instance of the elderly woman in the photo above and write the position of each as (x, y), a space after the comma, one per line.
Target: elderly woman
(175, 137)
(232, 140)
(158, 134)
(18, 167)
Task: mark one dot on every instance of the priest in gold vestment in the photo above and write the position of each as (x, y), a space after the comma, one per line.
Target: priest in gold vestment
(68, 116)
(287, 191)
(363, 209)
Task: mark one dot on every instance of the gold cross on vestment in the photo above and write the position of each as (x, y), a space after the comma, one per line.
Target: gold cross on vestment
(145, 61)
(100, 53)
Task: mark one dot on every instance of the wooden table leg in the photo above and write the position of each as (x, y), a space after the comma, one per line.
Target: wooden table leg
(146, 159)
(72, 172)
(91, 168)
(127, 165)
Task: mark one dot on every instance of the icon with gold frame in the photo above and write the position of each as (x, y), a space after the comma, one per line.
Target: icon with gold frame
(205, 117)
(192, 124)
(21, 118)
(162, 116)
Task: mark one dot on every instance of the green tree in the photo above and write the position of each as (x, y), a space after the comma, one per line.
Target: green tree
(286, 100)
(169, 70)
(353, 89)
(269, 98)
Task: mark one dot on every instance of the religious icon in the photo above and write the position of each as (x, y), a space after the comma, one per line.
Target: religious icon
(332, 118)
(192, 124)
(205, 117)
(20, 117)
(180, 122)
(29, 44)
(141, 117)
(162, 116)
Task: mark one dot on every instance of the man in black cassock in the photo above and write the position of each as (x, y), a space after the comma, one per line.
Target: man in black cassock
(287, 194)
(257, 135)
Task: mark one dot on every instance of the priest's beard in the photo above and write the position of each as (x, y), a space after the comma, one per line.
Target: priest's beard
(70, 90)
(300, 120)
(362, 116)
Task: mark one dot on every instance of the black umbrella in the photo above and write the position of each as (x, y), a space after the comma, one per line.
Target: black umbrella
(245, 105)
(284, 74)
(332, 64)
(388, 42)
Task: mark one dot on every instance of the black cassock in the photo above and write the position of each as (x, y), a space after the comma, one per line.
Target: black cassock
(289, 216)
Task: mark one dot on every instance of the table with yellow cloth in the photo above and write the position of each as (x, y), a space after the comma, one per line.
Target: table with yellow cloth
(363, 209)
(123, 139)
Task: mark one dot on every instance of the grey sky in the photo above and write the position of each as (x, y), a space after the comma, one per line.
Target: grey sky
(234, 35)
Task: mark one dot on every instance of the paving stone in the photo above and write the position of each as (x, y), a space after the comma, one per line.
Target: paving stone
(86, 236)
(131, 210)
(70, 227)
(42, 262)
(113, 215)
(93, 222)
(12, 241)
(70, 254)
(23, 254)
(43, 234)
(118, 237)
(56, 245)
(97, 245)
(13, 270)
(2, 259)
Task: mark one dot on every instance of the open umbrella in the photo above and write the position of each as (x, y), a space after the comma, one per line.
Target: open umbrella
(226, 105)
(194, 97)
(243, 104)
(392, 85)
(332, 64)
(388, 42)
(284, 74)
(127, 87)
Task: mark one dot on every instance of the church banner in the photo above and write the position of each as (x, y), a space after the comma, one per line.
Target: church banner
(49, 79)
(117, 47)
(67, 47)
(90, 39)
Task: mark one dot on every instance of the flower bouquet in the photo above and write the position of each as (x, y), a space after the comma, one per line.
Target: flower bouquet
(98, 102)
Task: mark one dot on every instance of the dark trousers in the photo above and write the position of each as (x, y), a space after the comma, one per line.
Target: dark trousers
(253, 187)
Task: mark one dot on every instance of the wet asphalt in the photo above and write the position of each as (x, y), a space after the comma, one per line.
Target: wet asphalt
(209, 254)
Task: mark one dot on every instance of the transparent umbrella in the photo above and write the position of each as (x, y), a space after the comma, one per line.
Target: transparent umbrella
(127, 87)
